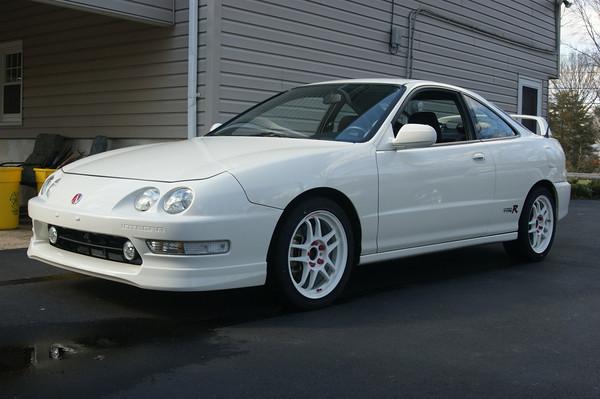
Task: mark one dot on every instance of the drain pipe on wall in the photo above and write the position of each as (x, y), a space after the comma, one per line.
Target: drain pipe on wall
(557, 31)
(192, 84)
(471, 26)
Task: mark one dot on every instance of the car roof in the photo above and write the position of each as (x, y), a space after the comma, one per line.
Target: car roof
(409, 83)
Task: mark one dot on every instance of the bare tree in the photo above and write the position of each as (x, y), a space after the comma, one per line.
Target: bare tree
(579, 75)
(589, 14)
(574, 107)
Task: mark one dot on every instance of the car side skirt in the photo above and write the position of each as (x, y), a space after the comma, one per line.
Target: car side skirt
(425, 249)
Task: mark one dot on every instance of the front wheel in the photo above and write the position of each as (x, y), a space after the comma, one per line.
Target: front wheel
(312, 254)
(537, 227)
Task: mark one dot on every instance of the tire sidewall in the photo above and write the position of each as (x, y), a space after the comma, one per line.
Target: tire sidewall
(278, 269)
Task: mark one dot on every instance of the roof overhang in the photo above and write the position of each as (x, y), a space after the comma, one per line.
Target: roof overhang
(155, 12)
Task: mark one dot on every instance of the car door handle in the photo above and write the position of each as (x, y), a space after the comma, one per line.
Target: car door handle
(478, 156)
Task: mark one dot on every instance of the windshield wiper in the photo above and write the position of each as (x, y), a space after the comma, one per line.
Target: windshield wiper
(271, 133)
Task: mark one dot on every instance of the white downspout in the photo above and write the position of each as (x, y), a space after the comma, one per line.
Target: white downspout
(192, 88)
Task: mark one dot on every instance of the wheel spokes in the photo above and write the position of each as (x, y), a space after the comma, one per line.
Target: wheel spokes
(309, 231)
(327, 237)
(541, 224)
(302, 258)
(324, 274)
(316, 255)
(317, 232)
(332, 247)
(303, 247)
(312, 279)
(305, 273)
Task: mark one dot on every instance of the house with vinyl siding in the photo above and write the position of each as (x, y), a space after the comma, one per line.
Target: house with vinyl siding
(154, 70)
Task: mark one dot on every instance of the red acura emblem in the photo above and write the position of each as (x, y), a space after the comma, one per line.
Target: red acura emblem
(76, 198)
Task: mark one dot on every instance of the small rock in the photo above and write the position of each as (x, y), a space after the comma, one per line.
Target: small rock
(58, 351)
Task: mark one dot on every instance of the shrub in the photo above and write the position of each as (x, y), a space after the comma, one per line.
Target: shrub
(585, 189)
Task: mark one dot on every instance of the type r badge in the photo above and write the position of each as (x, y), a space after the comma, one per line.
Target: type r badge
(76, 198)
(514, 209)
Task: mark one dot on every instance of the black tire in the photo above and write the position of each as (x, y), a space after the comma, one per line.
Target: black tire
(278, 272)
(521, 248)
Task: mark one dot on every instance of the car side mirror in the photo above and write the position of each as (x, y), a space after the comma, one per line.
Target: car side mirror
(215, 126)
(414, 135)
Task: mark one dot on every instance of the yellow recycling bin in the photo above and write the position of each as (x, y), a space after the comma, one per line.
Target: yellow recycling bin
(41, 174)
(10, 179)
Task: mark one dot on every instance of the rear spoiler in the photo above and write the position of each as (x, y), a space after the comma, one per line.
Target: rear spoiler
(543, 129)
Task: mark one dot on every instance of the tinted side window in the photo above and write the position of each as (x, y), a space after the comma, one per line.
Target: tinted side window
(439, 109)
(488, 125)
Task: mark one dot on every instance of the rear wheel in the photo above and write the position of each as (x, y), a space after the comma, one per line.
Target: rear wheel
(537, 227)
(312, 254)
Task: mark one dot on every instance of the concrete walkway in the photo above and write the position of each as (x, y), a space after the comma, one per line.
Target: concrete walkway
(586, 176)
(17, 238)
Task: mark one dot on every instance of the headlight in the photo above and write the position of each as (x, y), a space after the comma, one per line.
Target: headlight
(146, 199)
(49, 183)
(178, 200)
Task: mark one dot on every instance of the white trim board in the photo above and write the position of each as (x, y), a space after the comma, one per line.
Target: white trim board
(534, 84)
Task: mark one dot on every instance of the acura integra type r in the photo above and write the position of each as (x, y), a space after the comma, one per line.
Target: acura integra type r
(298, 190)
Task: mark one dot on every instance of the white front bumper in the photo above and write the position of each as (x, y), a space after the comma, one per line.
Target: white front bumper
(225, 214)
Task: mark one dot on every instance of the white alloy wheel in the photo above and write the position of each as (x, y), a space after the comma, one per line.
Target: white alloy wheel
(317, 255)
(541, 224)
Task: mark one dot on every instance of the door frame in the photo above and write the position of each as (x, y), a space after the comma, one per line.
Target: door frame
(469, 127)
(524, 81)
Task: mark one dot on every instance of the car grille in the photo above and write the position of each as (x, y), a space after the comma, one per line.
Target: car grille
(101, 246)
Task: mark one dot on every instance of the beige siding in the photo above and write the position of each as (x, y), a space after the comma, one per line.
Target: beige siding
(87, 74)
(271, 45)
(159, 12)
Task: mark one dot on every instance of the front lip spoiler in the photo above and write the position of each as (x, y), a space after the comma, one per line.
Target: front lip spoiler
(89, 273)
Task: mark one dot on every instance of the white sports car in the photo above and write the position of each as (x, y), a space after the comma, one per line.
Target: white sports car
(301, 188)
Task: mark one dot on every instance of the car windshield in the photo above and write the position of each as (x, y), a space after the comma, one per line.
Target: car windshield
(339, 112)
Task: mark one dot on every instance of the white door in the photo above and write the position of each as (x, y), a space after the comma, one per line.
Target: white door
(519, 164)
(440, 193)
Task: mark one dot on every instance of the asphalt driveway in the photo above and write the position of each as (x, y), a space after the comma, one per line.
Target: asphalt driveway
(467, 323)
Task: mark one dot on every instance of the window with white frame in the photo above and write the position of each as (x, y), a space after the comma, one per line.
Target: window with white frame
(11, 83)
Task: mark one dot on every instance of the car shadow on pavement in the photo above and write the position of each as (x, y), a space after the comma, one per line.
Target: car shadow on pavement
(131, 320)
(239, 305)
(427, 270)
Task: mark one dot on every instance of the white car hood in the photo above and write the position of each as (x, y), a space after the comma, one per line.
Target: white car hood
(194, 159)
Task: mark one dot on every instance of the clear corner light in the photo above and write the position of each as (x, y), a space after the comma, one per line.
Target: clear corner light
(178, 200)
(49, 183)
(188, 247)
(146, 199)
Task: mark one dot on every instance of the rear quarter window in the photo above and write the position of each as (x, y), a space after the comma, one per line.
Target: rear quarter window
(488, 125)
